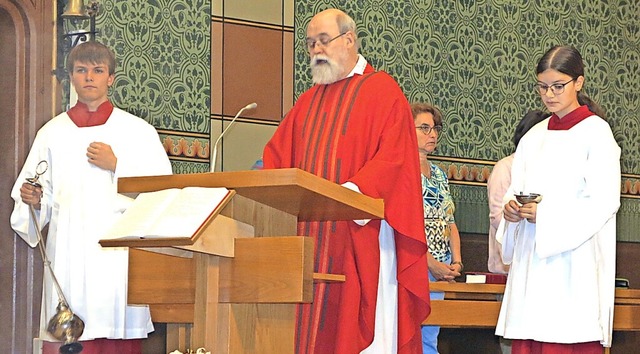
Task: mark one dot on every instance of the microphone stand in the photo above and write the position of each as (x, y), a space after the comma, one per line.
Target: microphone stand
(214, 146)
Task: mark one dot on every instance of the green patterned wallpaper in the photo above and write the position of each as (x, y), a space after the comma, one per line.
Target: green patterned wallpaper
(163, 48)
(475, 59)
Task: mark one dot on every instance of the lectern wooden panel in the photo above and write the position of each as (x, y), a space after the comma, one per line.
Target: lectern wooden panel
(166, 283)
(242, 301)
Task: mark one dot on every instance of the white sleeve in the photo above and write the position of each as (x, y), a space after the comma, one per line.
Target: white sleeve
(506, 235)
(354, 187)
(21, 221)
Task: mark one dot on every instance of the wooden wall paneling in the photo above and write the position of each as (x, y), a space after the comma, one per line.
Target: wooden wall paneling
(27, 38)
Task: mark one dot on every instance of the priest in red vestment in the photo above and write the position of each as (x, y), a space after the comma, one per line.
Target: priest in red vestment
(354, 127)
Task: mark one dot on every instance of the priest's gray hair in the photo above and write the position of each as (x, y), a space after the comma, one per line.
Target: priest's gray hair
(346, 24)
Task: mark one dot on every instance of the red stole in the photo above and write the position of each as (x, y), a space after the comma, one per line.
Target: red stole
(359, 129)
(82, 117)
(568, 121)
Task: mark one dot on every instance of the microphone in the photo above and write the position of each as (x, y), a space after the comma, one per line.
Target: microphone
(214, 147)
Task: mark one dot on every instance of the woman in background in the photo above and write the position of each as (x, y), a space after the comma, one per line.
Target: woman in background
(443, 239)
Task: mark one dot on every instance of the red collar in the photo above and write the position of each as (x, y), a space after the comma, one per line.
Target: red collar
(567, 122)
(82, 117)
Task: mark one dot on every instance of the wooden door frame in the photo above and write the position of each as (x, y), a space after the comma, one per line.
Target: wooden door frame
(31, 22)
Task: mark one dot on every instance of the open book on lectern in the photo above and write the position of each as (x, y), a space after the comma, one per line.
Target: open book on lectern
(170, 213)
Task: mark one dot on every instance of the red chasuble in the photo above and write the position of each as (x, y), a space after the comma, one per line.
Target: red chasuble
(360, 130)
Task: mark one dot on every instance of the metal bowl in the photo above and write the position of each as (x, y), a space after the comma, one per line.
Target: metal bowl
(528, 198)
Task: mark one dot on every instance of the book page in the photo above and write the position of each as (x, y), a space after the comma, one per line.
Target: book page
(187, 211)
(168, 213)
(143, 212)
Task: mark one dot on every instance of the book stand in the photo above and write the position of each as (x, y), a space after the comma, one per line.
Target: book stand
(233, 287)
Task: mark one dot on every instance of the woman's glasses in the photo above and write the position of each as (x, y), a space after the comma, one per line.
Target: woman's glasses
(426, 128)
(556, 89)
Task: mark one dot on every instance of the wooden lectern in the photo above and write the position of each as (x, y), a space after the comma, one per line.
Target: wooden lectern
(234, 286)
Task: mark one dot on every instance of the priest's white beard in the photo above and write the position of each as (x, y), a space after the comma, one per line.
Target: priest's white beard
(325, 71)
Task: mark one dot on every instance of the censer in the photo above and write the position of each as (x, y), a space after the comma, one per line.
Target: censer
(64, 325)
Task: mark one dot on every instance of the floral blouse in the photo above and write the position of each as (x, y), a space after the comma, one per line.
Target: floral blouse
(438, 212)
